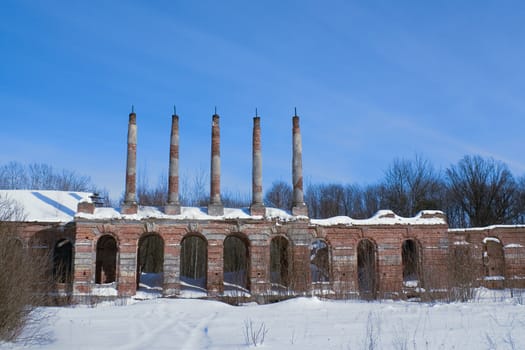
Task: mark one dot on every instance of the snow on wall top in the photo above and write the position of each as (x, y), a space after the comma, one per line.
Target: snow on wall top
(484, 228)
(46, 206)
(61, 206)
(387, 217)
(383, 217)
(188, 213)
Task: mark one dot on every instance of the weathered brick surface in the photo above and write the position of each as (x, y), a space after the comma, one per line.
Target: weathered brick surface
(435, 242)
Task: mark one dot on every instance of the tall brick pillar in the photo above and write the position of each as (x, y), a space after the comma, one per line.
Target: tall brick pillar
(173, 205)
(215, 206)
(257, 206)
(130, 203)
(298, 207)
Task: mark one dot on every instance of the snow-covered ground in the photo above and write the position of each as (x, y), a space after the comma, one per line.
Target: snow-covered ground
(491, 321)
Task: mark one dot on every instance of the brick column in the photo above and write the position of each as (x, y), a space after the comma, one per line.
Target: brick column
(130, 204)
(215, 277)
(301, 280)
(84, 262)
(173, 205)
(127, 264)
(215, 206)
(172, 264)
(257, 207)
(299, 207)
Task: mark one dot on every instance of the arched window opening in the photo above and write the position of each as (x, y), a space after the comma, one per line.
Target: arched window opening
(150, 262)
(319, 261)
(411, 263)
(463, 271)
(235, 264)
(366, 269)
(493, 258)
(106, 260)
(194, 263)
(279, 262)
(63, 261)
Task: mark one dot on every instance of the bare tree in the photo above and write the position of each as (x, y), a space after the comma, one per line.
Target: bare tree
(333, 201)
(484, 190)
(520, 203)
(194, 188)
(13, 176)
(24, 274)
(329, 200)
(235, 199)
(372, 201)
(152, 195)
(38, 176)
(312, 197)
(411, 186)
(279, 195)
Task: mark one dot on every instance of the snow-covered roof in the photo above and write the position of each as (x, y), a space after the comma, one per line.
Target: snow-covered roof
(387, 217)
(61, 206)
(484, 228)
(188, 213)
(383, 217)
(46, 206)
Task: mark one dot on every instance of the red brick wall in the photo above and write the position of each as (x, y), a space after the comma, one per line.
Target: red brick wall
(435, 243)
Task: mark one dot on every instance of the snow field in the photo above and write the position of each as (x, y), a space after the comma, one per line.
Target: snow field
(303, 323)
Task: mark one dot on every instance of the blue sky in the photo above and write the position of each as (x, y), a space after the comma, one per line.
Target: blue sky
(371, 80)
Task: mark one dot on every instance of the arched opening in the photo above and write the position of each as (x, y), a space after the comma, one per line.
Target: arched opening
(106, 260)
(463, 271)
(411, 263)
(194, 263)
(63, 261)
(279, 262)
(493, 258)
(150, 262)
(319, 261)
(236, 267)
(366, 269)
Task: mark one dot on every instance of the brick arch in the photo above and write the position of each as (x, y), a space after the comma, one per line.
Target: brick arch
(280, 262)
(320, 250)
(194, 261)
(107, 249)
(367, 262)
(236, 260)
(412, 262)
(63, 261)
(150, 260)
(493, 257)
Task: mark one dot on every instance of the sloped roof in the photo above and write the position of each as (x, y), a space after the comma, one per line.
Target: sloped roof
(46, 206)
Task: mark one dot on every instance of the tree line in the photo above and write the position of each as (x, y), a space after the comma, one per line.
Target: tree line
(476, 191)
(40, 176)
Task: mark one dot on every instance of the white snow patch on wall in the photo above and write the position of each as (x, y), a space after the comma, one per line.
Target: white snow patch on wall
(387, 217)
(491, 239)
(513, 245)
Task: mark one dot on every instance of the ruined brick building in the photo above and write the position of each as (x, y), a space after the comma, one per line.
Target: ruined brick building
(262, 252)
